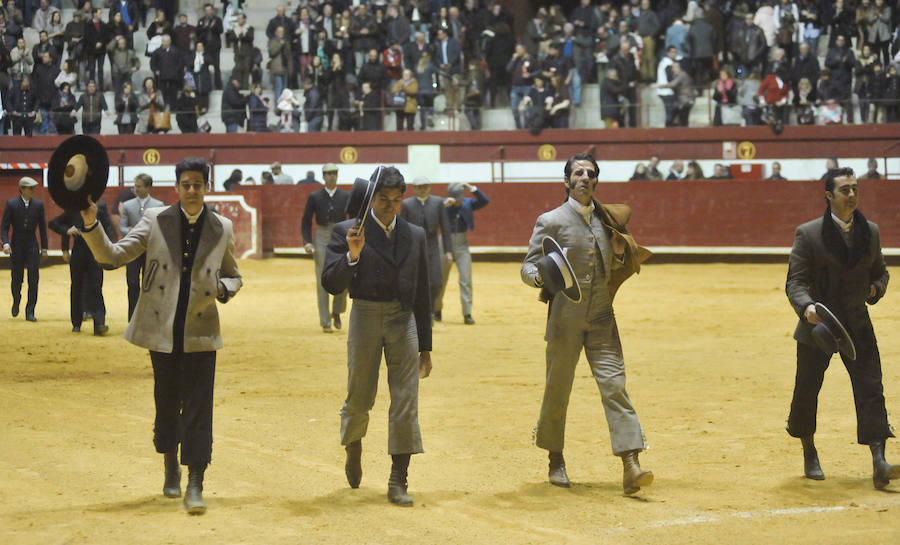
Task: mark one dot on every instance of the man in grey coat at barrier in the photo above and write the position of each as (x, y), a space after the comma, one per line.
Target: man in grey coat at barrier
(602, 255)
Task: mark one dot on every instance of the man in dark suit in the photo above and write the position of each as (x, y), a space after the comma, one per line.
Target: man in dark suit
(384, 264)
(132, 212)
(96, 38)
(86, 290)
(24, 214)
(447, 53)
(837, 261)
(328, 206)
(427, 211)
(168, 65)
(209, 31)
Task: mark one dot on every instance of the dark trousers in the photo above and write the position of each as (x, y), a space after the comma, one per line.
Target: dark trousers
(868, 392)
(95, 68)
(183, 392)
(134, 272)
(87, 282)
(169, 88)
(22, 125)
(214, 55)
(20, 261)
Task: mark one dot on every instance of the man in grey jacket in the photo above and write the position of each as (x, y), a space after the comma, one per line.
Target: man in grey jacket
(602, 255)
(132, 212)
(837, 261)
(190, 265)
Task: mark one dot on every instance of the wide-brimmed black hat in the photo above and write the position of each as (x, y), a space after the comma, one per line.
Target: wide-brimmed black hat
(78, 167)
(830, 335)
(361, 196)
(557, 272)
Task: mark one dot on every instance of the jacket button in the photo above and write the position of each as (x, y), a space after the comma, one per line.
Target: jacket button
(207, 294)
(587, 277)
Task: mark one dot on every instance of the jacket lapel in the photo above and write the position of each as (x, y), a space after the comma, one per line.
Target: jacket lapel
(209, 236)
(169, 225)
(401, 237)
(377, 240)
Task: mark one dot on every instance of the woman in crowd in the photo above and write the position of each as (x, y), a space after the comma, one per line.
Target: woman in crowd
(67, 74)
(63, 110)
(559, 110)
(804, 102)
(126, 110)
(406, 116)
(725, 94)
(198, 66)
(187, 109)
(55, 31)
(693, 171)
(259, 110)
(149, 102)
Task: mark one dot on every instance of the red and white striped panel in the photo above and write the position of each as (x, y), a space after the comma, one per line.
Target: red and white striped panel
(22, 166)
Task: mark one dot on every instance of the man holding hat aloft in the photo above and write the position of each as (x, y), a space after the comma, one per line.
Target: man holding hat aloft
(24, 214)
(836, 267)
(427, 211)
(580, 283)
(328, 206)
(461, 219)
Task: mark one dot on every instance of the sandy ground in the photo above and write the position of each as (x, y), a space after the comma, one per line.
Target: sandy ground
(710, 368)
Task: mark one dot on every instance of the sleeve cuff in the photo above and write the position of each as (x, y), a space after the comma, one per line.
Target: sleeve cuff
(352, 262)
(90, 228)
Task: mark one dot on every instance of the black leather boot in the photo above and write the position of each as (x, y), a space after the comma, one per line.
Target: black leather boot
(353, 465)
(397, 483)
(811, 467)
(558, 476)
(193, 494)
(172, 485)
(882, 472)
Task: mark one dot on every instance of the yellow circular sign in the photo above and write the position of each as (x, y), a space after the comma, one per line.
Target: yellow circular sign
(151, 157)
(746, 150)
(349, 154)
(547, 152)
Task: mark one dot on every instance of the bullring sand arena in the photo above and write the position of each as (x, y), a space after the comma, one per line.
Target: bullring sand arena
(710, 362)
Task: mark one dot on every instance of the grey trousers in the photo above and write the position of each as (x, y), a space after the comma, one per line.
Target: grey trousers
(339, 302)
(463, 260)
(604, 354)
(375, 328)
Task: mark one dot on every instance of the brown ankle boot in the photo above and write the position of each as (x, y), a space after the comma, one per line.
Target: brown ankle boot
(634, 477)
(558, 475)
(882, 472)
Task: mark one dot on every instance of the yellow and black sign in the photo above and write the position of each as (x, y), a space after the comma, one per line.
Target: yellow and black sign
(547, 152)
(349, 155)
(151, 157)
(746, 150)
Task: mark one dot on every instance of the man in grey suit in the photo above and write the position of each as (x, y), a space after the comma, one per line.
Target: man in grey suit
(383, 262)
(132, 212)
(837, 261)
(602, 255)
(190, 265)
(427, 211)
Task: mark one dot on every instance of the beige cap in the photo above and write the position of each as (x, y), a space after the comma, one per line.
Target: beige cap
(329, 167)
(25, 181)
(421, 180)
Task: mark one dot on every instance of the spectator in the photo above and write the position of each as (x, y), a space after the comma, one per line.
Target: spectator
(561, 105)
(520, 69)
(187, 108)
(877, 92)
(241, 35)
(44, 13)
(536, 32)
(498, 47)
(55, 32)
(811, 23)
(864, 71)
(157, 29)
(280, 60)
(335, 80)
(473, 98)
(676, 171)
(117, 27)
(748, 99)
(683, 86)
(234, 180)
(533, 108)
(122, 63)
(316, 73)
(259, 110)
(804, 103)
(773, 95)
(841, 61)
(701, 49)
(892, 95)
(287, 107)
(66, 74)
(266, 178)
(313, 106)
(44, 46)
(720, 172)
(234, 105)
(407, 84)
(374, 73)
(713, 14)
(413, 51)
(693, 171)
(612, 94)
(281, 178)
(806, 65)
(397, 24)
(872, 173)
(303, 41)
(626, 68)
(310, 179)
(183, 34)
(653, 172)
(92, 105)
(23, 107)
(831, 163)
(369, 104)
(786, 16)
(676, 36)
(73, 35)
(776, 171)
(748, 46)
(126, 109)
(22, 63)
(280, 20)
(167, 63)
(345, 104)
(64, 115)
(648, 27)
(447, 55)
(778, 61)
(427, 79)
(663, 77)
(362, 32)
(640, 173)
(129, 11)
(765, 20)
(725, 95)
(150, 102)
(198, 64)
(96, 36)
(880, 29)
(42, 82)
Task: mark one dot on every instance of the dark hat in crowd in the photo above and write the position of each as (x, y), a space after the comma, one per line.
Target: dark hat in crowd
(456, 190)
(557, 272)
(78, 168)
(830, 335)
